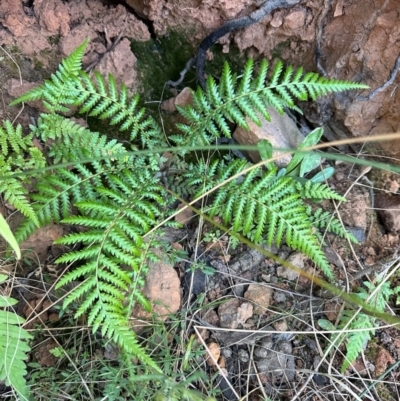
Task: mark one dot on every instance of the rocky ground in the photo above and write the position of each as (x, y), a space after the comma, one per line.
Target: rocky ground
(250, 313)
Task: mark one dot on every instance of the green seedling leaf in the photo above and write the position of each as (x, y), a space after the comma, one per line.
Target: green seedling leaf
(281, 173)
(323, 175)
(7, 301)
(7, 234)
(326, 325)
(309, 163)
(310, 140)
(265, 148)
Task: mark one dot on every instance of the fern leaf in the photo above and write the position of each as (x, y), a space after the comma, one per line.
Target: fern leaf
(325, 221)
(112, 239)
(14, 348)
(253, 94)
(59, 90)
(358, 340)
(18, 156)
(98, 100)
(277, 205)
(311, 190)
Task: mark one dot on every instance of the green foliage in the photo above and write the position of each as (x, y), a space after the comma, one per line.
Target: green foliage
(115, 196)
(115, 225)
(377, 295)
(236, 100)
(17, 156)
(265, 206)
(13, 347)
(323, 220)
(58, 93)
(7, 234)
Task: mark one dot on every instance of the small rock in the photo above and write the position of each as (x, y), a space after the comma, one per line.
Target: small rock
(43, 355)
(245, 311)
(354, 212)
(266, 277)
(261, 296)
(162, 289)
(194, 282)
(222, 362)
(281, 131)
(261, 352)
(392, 186)
(111, 352)
(228, 314)
(214, 352)
(297, 259)
(332, 310)
(183, 99)
(382, 360)
(388, 209)
(279, 297)
(40, 241)
(227, 352)
(243, 356)
(332, 257)
(120, 62)
(359, 367)
(281, 325)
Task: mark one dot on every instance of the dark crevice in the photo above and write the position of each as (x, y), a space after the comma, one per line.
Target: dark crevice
(147, 22)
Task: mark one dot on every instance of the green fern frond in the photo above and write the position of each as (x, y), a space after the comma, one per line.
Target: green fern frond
(357, 341)
(15, 194)
(59, 90)
(265, 206)
(56, 193)
(18, 156)
(109, 103)
(317, 191)
(324, 220)
(115, 224)
(14, 348)
(11, 139)
(237, 101)
(75, 142)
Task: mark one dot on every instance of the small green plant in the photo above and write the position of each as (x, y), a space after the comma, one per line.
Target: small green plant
(7, 234)
(14, 347)
(377, 294)
(212, 236)
(115, 194)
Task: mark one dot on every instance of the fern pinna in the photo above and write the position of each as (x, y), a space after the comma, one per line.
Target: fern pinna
(118, 194)
(17, 156)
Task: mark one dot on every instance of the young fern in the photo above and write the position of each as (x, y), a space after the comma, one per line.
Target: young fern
(358, 340)
(119, 196)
